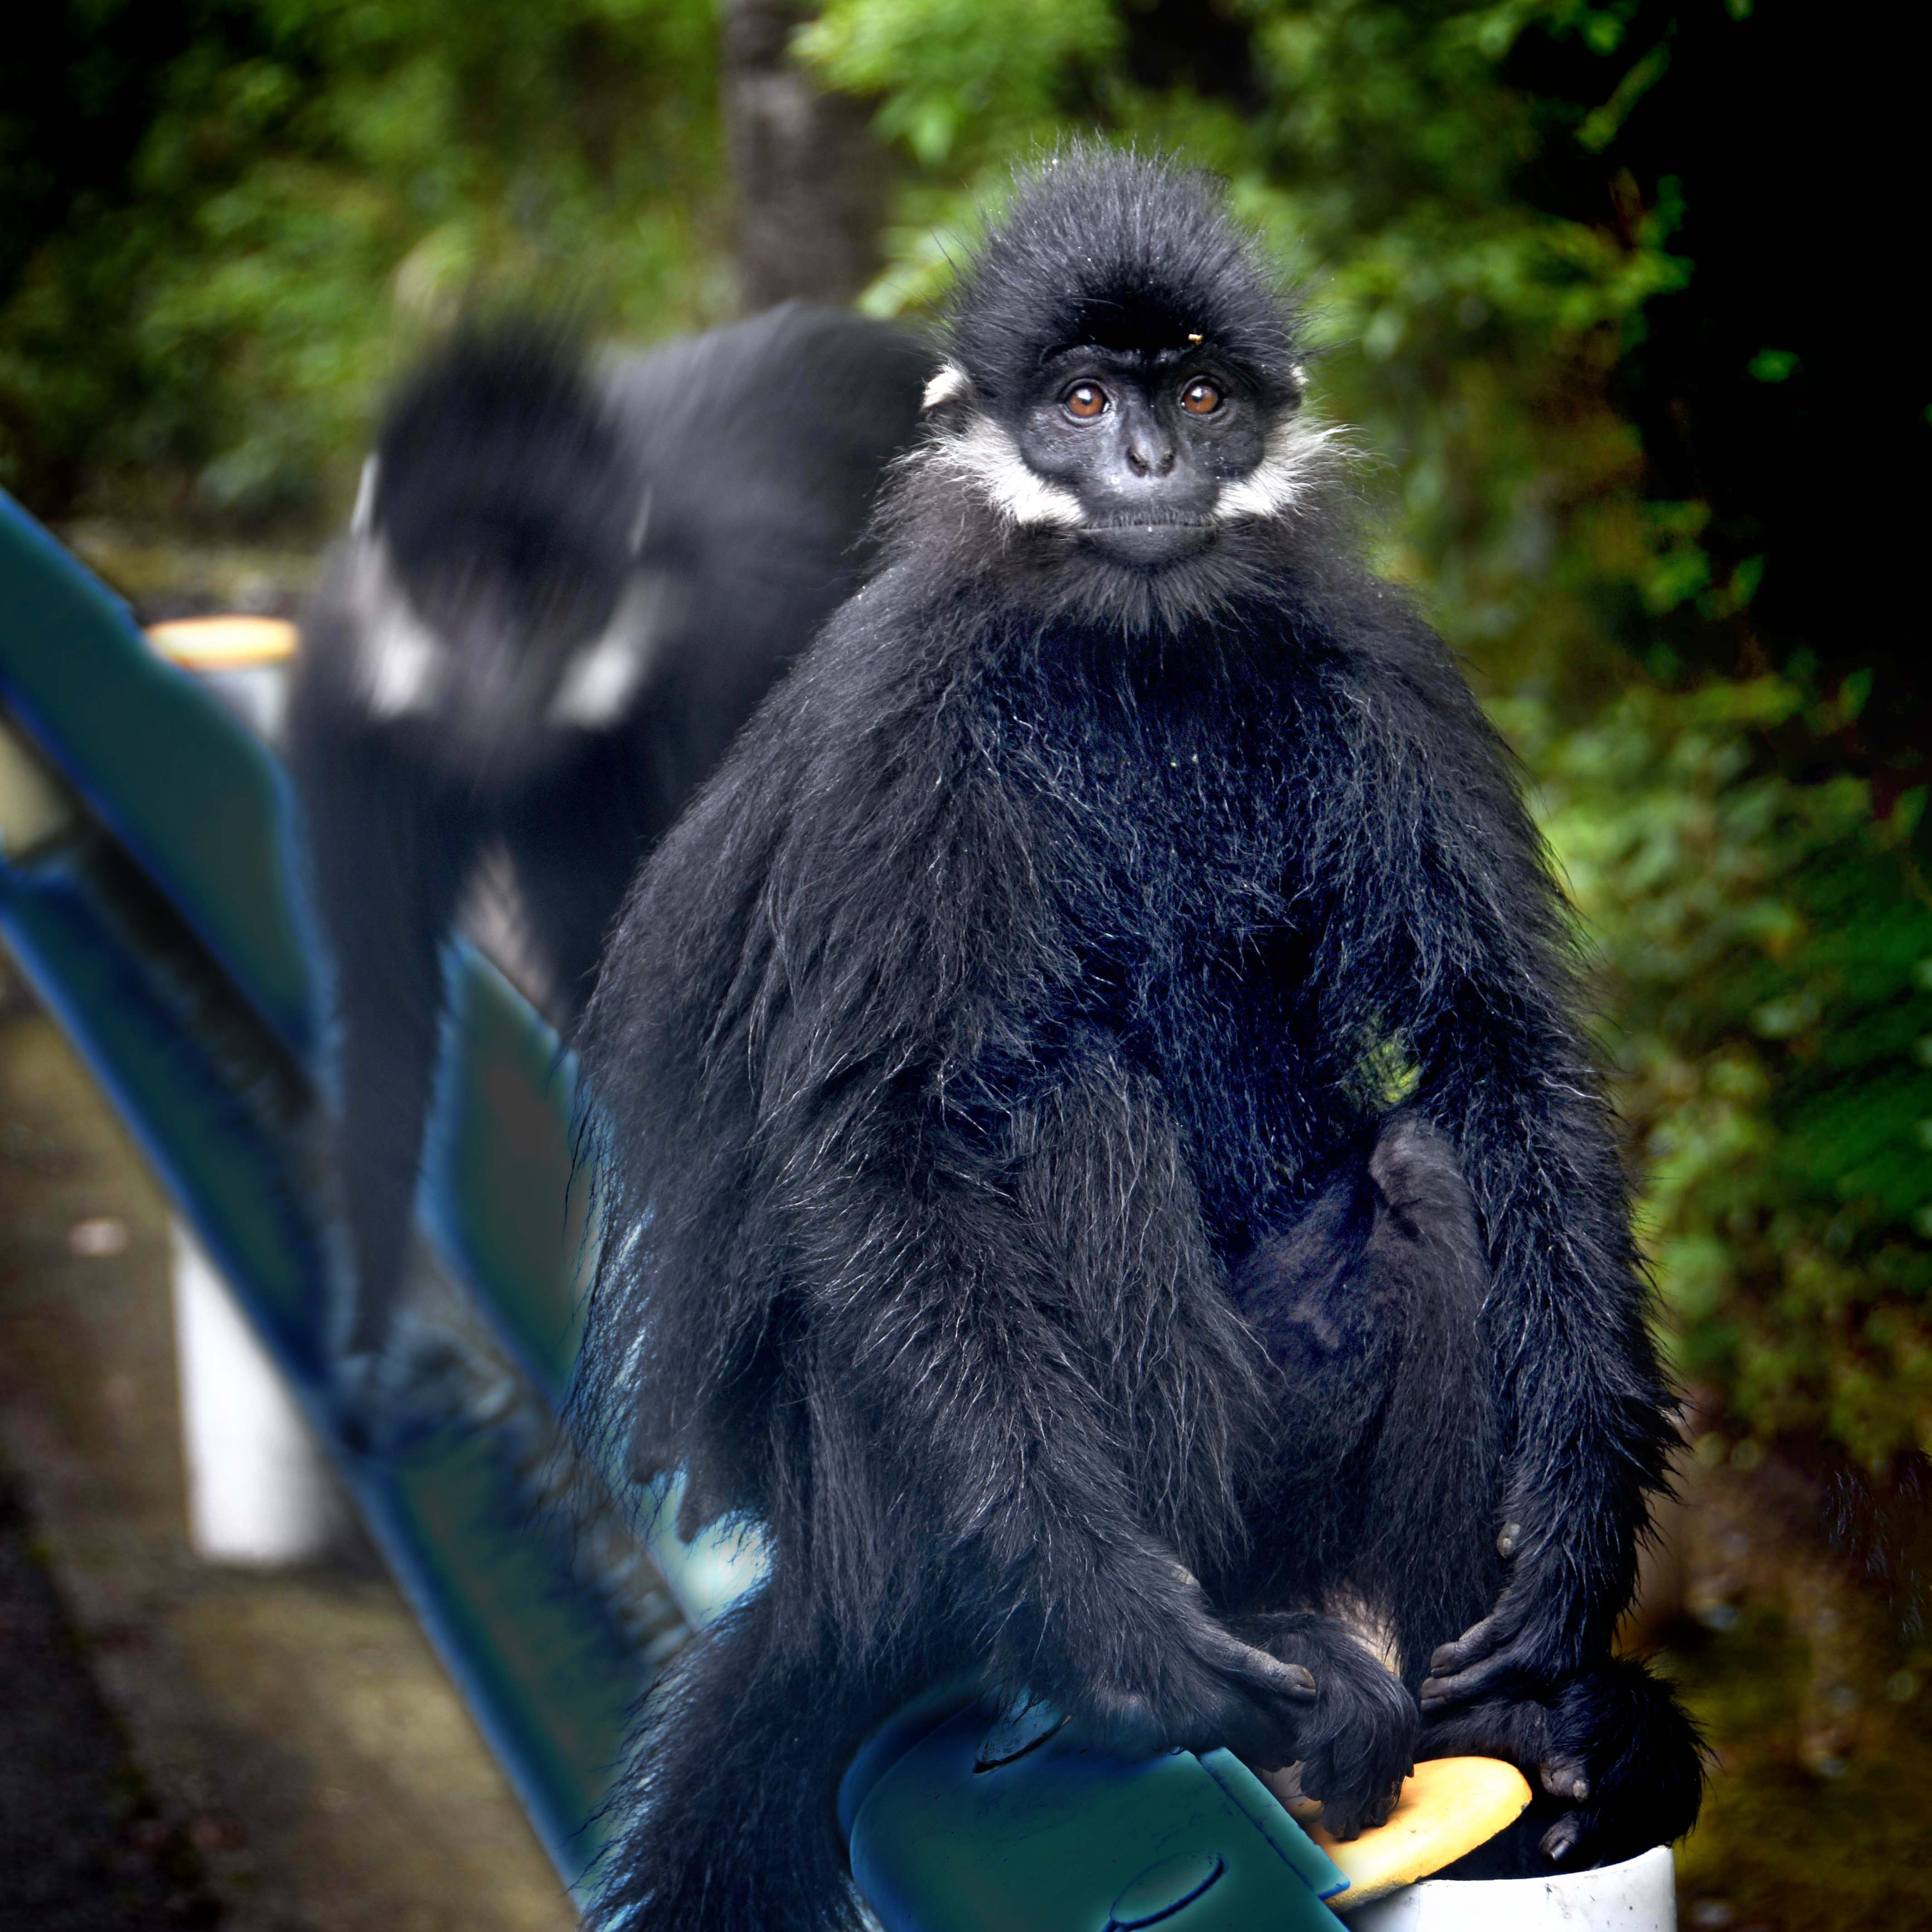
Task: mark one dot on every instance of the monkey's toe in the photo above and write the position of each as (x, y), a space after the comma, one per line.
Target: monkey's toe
(1559, 1842)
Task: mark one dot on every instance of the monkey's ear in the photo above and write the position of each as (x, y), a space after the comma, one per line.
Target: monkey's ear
(951, 384)
(362, 518)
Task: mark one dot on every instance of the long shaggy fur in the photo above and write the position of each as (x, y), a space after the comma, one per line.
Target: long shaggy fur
(1000, 1201)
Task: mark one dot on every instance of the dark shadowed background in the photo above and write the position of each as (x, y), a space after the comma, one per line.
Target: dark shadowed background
(1614, 295)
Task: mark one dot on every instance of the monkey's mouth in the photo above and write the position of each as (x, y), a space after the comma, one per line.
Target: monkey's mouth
(1148, 540)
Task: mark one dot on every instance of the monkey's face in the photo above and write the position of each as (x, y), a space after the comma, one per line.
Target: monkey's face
(1146, 458)
(493, 657)
(1145, 442)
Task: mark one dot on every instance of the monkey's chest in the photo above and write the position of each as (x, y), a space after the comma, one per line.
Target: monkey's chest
(1178, 891)
(1160, 841)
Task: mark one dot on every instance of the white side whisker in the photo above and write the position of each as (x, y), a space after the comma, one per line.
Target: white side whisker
(1287, 473)
(603, 677)
(951, 384)
(983, 456)
(401, 661)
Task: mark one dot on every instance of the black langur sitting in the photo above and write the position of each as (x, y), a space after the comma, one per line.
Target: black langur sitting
(1003, 1199)
(564, 590)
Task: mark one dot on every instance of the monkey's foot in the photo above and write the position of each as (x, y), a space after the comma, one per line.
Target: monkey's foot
(1617, 1764)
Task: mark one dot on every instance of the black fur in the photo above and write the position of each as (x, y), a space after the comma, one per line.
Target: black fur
(1165, 269)
(1001, 1197)
(705, 503)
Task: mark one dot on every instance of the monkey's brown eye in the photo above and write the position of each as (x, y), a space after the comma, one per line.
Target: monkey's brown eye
(1084, 401)
(1201, 398)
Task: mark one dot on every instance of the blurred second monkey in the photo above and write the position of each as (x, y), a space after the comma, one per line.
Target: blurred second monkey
(566, 584)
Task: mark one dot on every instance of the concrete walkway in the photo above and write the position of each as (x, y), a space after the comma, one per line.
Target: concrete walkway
(294, 1759)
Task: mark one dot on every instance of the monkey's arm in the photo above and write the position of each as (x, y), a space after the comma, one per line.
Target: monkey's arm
(1031, 1372)
(1584, 1399)
(386, 867)
(1454, 932)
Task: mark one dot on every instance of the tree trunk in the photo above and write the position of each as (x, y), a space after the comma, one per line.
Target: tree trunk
(810, 179)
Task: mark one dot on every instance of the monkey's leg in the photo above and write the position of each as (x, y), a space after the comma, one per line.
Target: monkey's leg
(1614, 1759)
(1380, 1527)
(574, 845)
(388, 865)
(1372, 1304)
(1385, 1418)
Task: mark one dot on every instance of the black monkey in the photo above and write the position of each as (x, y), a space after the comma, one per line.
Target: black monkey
(1002, 1195)
(565, 588)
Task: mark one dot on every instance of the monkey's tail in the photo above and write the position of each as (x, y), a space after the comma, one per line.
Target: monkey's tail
(726, 1814)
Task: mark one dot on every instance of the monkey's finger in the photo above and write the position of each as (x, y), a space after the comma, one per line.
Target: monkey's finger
(1477, 1641)
(1563, 1776)
(1293, 1681)
(1350, 1821)
(1302, 1680)
(1464, 1687)
(1250, 1660)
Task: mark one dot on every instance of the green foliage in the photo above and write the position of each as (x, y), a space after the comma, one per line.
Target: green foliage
(318, 181)
(1771, 976)
(959, 65)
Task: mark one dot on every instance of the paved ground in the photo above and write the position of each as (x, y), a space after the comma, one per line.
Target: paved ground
(181, 1745)
(83, 1846)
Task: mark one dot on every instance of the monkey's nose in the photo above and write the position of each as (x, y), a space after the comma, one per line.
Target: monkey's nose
(1148, 458)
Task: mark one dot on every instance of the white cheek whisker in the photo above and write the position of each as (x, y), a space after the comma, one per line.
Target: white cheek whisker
(985, 458)
(401, 661)
(1290, 471)
(603, 677)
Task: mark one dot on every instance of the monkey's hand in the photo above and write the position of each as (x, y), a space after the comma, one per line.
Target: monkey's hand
(1148, 1668)
(1616, 1765)
(1533, 1639)
(1358, 1742)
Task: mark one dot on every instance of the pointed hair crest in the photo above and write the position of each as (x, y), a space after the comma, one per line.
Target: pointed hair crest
(1125, 251)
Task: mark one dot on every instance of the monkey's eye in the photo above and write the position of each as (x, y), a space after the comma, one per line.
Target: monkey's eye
(1085, 401)
(1201, 398)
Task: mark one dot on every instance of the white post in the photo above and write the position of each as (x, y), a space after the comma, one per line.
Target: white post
(1639, 1895)
(259, 1490)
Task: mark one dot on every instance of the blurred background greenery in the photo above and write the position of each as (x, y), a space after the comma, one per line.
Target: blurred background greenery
(1607, 291)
